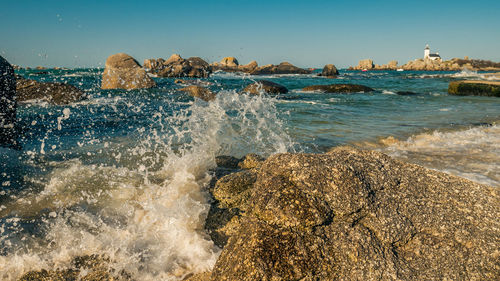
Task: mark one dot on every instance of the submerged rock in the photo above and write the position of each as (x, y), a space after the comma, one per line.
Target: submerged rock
(339, 88)
(265, 86)
(282, 68)
(199, 92)
(7, 104)
(124, 72)
(52, 92)
(474, 88)
(356, 215)
(329, 71)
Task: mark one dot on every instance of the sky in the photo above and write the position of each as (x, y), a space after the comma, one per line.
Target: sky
(307, 33)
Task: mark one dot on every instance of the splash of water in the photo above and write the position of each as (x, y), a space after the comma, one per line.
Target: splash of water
(146, 216)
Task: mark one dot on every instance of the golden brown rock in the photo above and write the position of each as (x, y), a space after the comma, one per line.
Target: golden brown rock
(124, 72)
(199, 92)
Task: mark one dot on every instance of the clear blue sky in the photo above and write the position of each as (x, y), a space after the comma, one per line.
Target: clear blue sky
(306, 33)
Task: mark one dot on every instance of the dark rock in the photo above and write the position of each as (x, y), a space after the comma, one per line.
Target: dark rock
(124, 72)
(339, 88)
(226, 161)
(7, 104)
(282, 68)
(265, 86)
(330, 71)
(406, 93)
(474, 88)
(55, 93)
(199, 92)
(176, 66)
(358, 215)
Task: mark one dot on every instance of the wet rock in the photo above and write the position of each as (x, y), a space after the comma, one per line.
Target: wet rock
(474, 88)
(199, 92)
(251, 161)
(360, 215)
(176, 66)
(339, 88)
(52, 92)
(234, 189)
(7, 104)
(124, 72)
(330, 71)
(265, 86)
(406, 93)
(282, 68)
(226, 161)
(200, 277)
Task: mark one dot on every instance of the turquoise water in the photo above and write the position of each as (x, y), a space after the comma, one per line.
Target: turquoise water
(124, 173)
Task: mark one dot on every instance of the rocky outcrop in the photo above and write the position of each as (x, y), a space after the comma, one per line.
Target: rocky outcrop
(368, 64)
(282, 68)
(7, 104)
(338, 88)
(199, 92)
(264, 86)
(176, 66)
(365, 64)
(474, 88)
(354, 215)
(230, 64)
(124, 72)
(329, 71)
(51, 92)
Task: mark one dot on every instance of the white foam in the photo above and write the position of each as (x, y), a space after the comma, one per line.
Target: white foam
(149, 219)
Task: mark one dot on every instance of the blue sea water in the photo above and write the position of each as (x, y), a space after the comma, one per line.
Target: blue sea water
(124, 173)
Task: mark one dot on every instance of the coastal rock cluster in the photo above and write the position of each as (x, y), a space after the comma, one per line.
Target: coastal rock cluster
(352, 215)
(454, 64)
(51, 92)
(176, 66)
(7, 103)
(230, 64)
(124, 72)
(367, 64)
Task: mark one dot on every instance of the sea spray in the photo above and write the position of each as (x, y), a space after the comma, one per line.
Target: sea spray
(146, 211)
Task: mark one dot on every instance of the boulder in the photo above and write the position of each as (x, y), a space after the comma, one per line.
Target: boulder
(330, 71)
(265, 86)
(282, 68)
(229, 62)
(365, 64)
(52, 92)
(7, 104)
(176, 66)
(474, 88)
(124, 72)
(338, 88)
(199, 92)
(393, 64)
(249, 67)
(356, 215)
(251, 161)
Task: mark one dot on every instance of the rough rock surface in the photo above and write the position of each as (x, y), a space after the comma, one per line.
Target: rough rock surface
(355, 215)
(338, 88)
(265, 86)
(54, 93)
(124, 72)
(365, 64)
(199, 92)
(329, 71)
(176, 66)
(474, 88)
(230, 64)
(282, 68)
(7, 104)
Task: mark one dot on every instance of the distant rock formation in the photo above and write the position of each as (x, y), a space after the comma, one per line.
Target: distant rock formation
(338, 88)
(266, 87)
(124, 72)
(364, 64)
(282, 68)
(176, 66)
(352, 215)
(199, 92)
(7, 104)
(52, 92)
(455, 64)
(230, 64)
(474, 88)
(329, 71)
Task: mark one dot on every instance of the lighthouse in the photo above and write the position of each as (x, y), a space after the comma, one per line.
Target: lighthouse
(429, 56)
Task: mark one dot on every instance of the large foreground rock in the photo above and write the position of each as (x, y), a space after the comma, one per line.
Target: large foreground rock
(124, 72)
(339, 88)
(474, 88)
(7, 104)
(282, 68)
(176, 66)
(265, 86)
(355, 215)
(52, 92)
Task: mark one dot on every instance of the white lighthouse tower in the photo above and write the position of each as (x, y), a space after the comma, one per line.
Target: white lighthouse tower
(427, 51)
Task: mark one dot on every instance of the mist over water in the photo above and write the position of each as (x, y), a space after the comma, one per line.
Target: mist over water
(125, 174)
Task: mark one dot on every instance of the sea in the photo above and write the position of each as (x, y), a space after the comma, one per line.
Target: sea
(125, 174)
